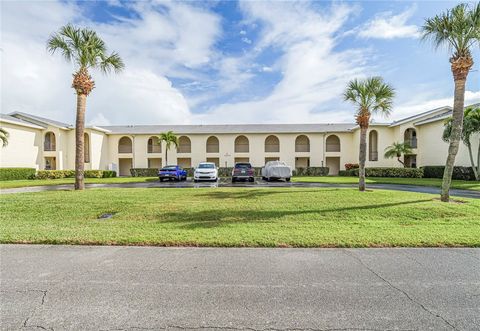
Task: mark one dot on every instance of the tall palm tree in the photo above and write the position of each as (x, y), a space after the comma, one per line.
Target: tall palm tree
(458, 29)
(397, 150)
(471, 126)
(371, 95)
(87, 51)
(4, 137)
(170, 139)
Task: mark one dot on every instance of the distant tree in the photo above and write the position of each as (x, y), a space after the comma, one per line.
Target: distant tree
(471, 126)
(4, 137)
(87, 51)
(458, 29)
(397, 150)
(170, 139)
(371, 95)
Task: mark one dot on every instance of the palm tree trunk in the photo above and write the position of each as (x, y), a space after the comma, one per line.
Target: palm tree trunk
(457, 125)
(398, 159)
(470, 154)
(478, 159)
(79, 141)
(362, 157)
(166, 157)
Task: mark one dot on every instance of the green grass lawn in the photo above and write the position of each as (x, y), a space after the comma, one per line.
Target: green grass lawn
(458, 184)
(296, 217)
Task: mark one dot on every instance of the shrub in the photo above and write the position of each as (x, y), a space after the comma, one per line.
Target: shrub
(144, 172)
(311, 171)
(386, 172)
(16, 173)
(349, 166)
(462, 173)
(57, 174)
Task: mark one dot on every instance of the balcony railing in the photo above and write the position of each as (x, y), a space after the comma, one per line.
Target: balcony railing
(373, 156)
(154, 149)
(49, 147)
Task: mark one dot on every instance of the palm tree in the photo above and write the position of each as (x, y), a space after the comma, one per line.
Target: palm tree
(397, 150)
(371, 95)
(87, 51)
(471, 126)
(459, 30)
(170, 139)
(4, 137)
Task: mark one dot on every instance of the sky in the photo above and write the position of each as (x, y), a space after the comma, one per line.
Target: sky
(217, 62)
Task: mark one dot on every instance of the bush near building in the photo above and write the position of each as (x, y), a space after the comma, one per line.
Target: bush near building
(57, 174)
(463, 173)
(386, 172)
(17, 173)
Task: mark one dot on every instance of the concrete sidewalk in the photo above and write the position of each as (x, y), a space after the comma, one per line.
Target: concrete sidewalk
(151, 288)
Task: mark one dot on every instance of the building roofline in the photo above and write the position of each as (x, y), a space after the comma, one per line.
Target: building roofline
(40, 120)
(16, 121)
(425, 113)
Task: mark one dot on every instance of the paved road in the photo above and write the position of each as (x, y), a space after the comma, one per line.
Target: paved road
(257, 184)
(151, 288)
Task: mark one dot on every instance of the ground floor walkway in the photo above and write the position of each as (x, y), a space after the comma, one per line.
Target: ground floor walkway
(226, 182)
(153, 288)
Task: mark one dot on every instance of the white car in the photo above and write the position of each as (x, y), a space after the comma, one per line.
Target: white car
(205, 171)
(276, 170)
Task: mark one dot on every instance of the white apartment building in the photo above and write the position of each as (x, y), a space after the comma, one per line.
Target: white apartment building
(42, 143)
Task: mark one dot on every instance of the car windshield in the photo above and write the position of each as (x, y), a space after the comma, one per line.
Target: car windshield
(169, 169)
(206, 166)
(243, 165)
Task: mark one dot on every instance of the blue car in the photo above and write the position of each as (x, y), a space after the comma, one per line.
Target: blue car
(172, 172)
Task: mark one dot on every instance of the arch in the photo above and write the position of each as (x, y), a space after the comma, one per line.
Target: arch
(154, 145)
(49, 142)
(125, 145)
(410, 137)
(332, 143)
(272, 144)
(86, 148)
(373, 146)
(242, 144)
(213, 145)
(184, 145)
(302, 144)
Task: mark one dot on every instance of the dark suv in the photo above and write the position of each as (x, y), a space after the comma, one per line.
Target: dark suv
(243, 171)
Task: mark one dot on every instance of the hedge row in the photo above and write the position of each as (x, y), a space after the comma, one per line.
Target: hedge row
(311, 171)
(463, 173)
(16, 173)
(386, 172)
(56, 174)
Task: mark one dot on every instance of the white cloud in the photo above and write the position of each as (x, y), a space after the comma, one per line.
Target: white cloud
(390, 26)
(157, 43)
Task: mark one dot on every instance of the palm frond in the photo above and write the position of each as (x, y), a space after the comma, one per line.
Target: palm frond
(4, 136)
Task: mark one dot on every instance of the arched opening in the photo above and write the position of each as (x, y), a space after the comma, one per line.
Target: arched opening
(86, 148)
(184, 145)
(302, 144)
(332, 143)
(241, 145)
(373, 146)
(154, 145)
(213, 145)
(125, 145)
(49, 143)
(272, 144)
(410, 137)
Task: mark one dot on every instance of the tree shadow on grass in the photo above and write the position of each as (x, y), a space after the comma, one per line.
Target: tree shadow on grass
(211, 218)
(253, 193)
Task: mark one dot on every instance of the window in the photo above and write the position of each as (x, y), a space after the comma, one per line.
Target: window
(272, 144)
(49, 144)
(213, 145)
(241, 145)
(125, 145)
(184, 145)
(154, 145)
(333, 144)
(373, 146)
(302, 144)
(410, 137)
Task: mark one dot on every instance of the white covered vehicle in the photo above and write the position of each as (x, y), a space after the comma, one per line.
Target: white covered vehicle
(276, 170)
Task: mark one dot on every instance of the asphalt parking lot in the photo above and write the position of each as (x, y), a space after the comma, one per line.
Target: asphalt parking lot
(258, 183)
(154, 288)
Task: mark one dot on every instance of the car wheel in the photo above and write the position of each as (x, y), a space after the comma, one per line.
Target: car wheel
(160, 179)
(233, 180)
(287, 179)
(195, 181)
(251, 180)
